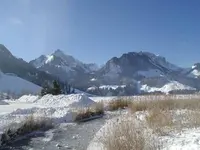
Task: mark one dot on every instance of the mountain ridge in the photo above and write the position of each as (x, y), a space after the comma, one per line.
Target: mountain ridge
(129, 69)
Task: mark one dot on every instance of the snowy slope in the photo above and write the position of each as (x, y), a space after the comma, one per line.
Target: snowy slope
(14, 84)
(171, 86)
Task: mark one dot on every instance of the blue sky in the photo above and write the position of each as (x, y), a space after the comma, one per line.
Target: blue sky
(96, 30)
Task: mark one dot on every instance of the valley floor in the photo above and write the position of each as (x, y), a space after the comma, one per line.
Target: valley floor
(69, 135)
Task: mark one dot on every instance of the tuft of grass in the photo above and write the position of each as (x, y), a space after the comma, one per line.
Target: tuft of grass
(126, 135)
(118, 104)
(159, 121)
(29, 125)
(87, 113)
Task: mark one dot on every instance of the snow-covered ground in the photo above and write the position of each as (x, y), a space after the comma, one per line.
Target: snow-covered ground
(60, 108)
(71, 135)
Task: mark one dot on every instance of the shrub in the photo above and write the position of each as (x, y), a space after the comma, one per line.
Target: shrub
(126, 135)
(86, 113)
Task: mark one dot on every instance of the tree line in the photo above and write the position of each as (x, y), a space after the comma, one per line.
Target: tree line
(57, 88)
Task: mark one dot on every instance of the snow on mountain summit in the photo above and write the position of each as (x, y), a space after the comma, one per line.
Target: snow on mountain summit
(60, 59)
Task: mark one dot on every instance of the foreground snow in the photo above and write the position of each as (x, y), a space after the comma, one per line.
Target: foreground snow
(186, 140)
(60, 108)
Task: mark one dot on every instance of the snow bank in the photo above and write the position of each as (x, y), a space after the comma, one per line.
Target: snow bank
(59, 108)
(73, 100)
(27, 99)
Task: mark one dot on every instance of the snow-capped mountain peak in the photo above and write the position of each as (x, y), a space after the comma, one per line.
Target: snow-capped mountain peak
(195, 71)
(62, 65)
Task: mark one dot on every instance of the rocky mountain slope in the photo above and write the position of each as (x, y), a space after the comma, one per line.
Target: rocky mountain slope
(63, 66)
(132, 73)
(19, 67)
(133, 69)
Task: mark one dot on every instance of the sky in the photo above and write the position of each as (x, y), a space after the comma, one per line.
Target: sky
(97, 30)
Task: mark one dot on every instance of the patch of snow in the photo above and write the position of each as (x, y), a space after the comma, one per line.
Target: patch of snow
(93, 79)
(114, 87)
(194, 66)
(49, 59)
(171, 86)
(93, 88)
(196, 73)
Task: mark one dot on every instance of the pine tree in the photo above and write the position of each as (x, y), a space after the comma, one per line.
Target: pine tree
(46, 89)
(56, 88)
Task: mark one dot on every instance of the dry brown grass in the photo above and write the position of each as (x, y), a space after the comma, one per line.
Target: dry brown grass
(162, 117)
(118, 104)
(159, 121)
(84, 113)
(127, 135)
(29, 125)
(190, 104)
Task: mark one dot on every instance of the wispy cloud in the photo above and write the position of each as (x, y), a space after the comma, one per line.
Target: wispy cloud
(15, 21)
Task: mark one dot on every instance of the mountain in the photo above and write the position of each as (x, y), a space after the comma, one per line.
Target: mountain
(133, 69)
(10, 83)
(63, 66)
(131, 73)
(141, 64)
(19, 67)
(149, 70)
